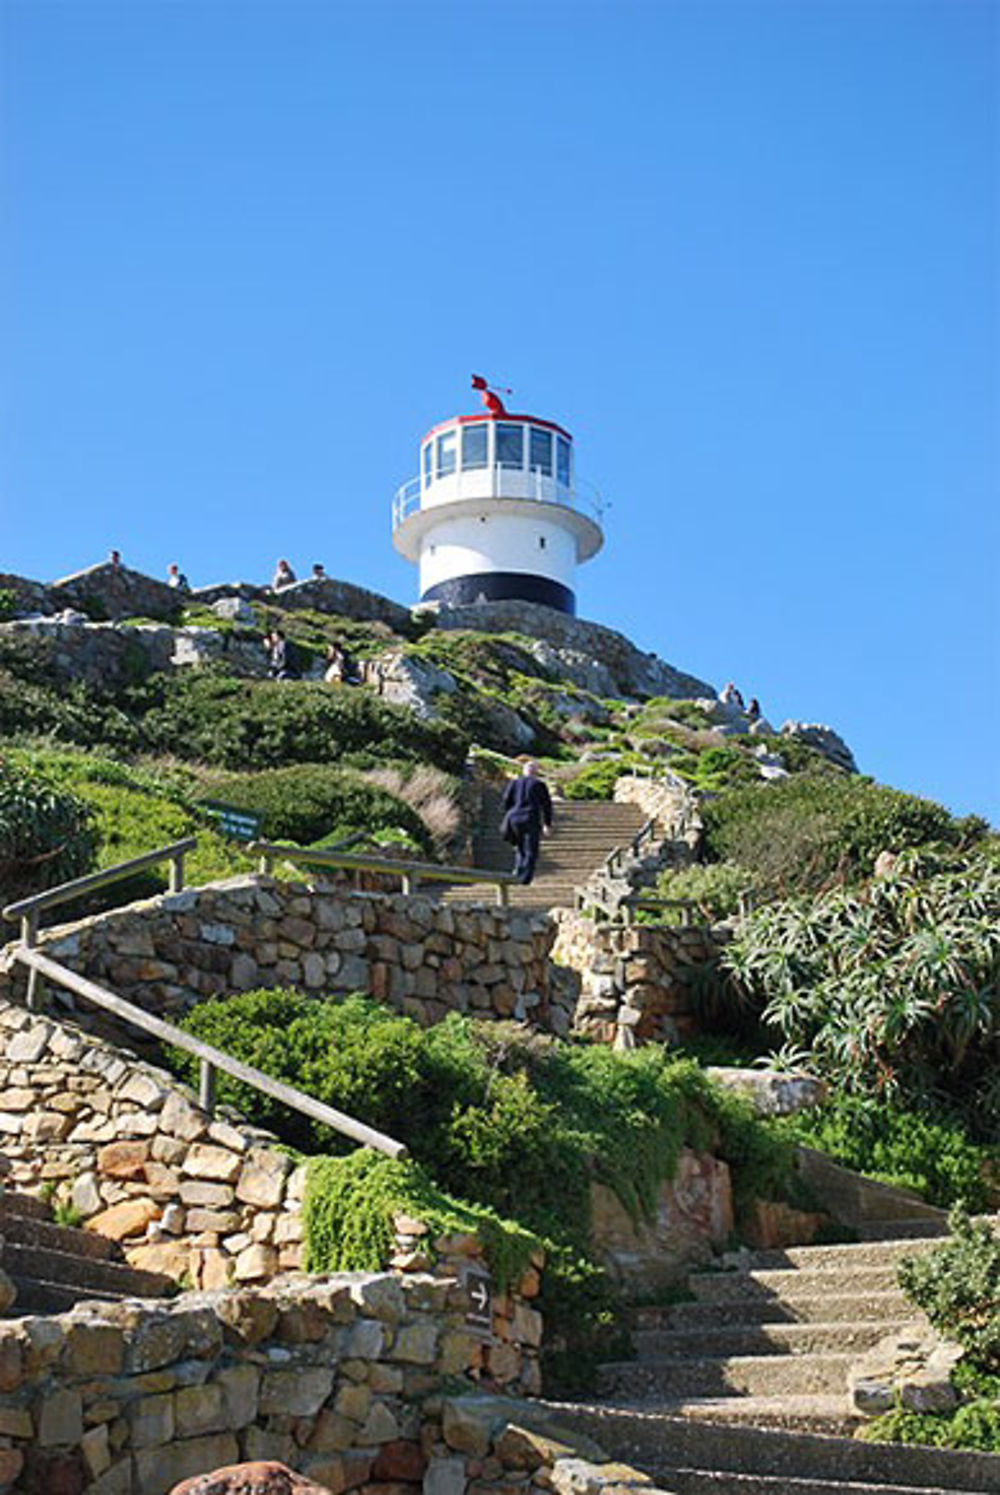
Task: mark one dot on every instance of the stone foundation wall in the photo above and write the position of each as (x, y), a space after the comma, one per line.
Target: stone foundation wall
(635, 979)
(338, 1377)
(423, 958)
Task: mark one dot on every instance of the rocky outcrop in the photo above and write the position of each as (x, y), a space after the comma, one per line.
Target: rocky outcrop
(772, 1092)
(607, 655)
(409, 680)
(825, 740)
(109, 591)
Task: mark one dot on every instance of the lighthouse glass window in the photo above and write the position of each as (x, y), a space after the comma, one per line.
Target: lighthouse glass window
(446, 454)
(510, 445)
(475, 446)
(541, 451)
(562, 460)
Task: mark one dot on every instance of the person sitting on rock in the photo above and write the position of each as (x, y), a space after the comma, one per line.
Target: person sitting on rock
(280, 663)
(284, 576)
(753, 710)
(318, 572)
(176, 578)
(730, 696)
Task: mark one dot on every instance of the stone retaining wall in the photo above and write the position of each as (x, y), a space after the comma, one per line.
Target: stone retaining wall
(423, 958)
(122, 1142)
(670, 802)
(338, 1377)
(635, 979)
(211, 1202)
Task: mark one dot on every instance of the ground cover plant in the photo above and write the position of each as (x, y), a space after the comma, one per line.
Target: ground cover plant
(498, 1119)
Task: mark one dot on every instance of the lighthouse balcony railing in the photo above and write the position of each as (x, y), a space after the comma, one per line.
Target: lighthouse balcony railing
(499, 482)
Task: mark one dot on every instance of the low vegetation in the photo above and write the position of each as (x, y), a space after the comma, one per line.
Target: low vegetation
(47, 834)
(499, 1119)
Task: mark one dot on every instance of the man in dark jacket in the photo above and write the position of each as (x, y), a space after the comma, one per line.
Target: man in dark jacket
(527, 808)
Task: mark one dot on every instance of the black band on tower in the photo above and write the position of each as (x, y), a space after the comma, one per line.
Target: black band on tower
(502, 586)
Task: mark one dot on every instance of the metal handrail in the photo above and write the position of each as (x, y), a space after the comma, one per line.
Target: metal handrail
(410, 873)
(580, 494)
(27, 909)
(210, 1059)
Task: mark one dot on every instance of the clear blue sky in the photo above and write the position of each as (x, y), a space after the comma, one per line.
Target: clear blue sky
(746, 252)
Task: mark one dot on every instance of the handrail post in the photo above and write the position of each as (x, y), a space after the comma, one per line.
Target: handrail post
(408, 882)
(206, 1086)
(503, 895)
(29, 937)
(265, 863)
(177, 872)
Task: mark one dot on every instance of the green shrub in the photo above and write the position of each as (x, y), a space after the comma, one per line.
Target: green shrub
(76, 713)
(247, 724)
(507, 1122)
(911, 1149)
(310, 802)
(806, 831)
(8, 603)
(716, 887)
(596, 781)
(957, 1284)
(47, 836)
(134, 810)
(893, 988)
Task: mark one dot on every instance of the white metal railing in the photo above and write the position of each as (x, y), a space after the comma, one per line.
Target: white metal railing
(494, 482)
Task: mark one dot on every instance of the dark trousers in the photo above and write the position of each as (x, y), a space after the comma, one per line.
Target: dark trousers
(527, 837)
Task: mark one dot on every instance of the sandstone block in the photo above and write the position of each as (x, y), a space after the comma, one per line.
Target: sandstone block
(93, 1348)
(183, 1120)
(300, 1392)
(129, 1218)
(151, 1420)
(255, 1262)
(239, 1386)
(445, 1477)
(207, 1195)
(203, 1160)
(262, 1179)
(199, 1409)
(95, 1450)
(123, 1160)
(60, 1418)
(157, 1470)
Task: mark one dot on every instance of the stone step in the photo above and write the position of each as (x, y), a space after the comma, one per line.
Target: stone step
(889, 1230)
(725, 1482)
(811, 1308)
(773, 1375)
(34, 1233)
(659, 1442)
(24, 1206)
(789, 1284)
(91, 1274)
(35, 1295)
(873, 1253)
(765, 1339)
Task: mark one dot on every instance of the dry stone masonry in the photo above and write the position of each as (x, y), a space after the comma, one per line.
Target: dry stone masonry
(422, 958)
(337, 1377)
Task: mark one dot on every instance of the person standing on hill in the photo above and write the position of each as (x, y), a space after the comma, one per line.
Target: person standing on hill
(527, 808)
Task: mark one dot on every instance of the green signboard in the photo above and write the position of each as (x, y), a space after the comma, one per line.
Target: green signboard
(239, 825)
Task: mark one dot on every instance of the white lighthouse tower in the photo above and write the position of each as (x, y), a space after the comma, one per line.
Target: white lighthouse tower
(496, 512)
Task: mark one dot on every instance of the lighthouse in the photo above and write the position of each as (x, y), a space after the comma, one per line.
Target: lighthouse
(496, 512)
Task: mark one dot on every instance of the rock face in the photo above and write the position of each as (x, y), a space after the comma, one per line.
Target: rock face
(825, 740)
(694, 1212)
(405, 680)
(590, 653)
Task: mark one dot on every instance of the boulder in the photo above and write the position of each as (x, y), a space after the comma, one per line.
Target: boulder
(772, 1092)
(407, 680)
(266, 1478)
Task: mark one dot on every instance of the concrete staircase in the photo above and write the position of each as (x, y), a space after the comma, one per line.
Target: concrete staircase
(584, 832)
(54, 1266)
(743, 1390)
